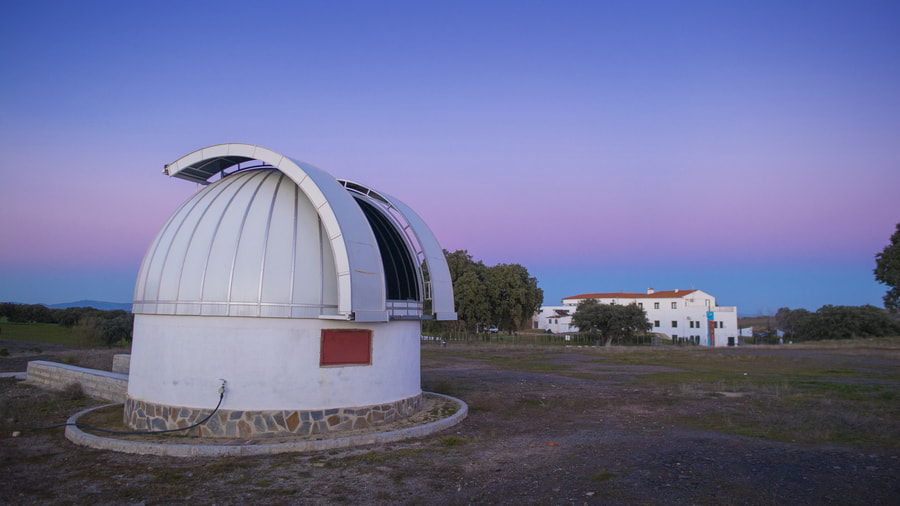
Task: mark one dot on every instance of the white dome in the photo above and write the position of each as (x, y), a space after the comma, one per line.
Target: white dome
(282, 238)
(247, 245)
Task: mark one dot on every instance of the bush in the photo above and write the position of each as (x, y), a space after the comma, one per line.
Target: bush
(836, 322)
(74, 392)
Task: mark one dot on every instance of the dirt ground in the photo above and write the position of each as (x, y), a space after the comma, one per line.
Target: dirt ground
(568, 427)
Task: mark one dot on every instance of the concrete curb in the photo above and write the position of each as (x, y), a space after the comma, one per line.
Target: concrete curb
(77, 436)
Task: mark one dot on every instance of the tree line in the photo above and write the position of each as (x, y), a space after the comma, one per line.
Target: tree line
(95, 326)
(837, 322)
(504, 296)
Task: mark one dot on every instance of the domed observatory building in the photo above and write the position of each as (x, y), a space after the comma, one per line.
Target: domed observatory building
(304, 294)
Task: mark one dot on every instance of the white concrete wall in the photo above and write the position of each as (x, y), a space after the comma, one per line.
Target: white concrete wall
(269, 363)
(104, 385)
(121, 364)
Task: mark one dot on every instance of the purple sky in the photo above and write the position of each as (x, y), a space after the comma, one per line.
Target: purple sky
(748, 149)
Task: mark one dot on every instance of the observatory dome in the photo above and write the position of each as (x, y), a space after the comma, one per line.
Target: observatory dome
(301, 292)
(250, 244)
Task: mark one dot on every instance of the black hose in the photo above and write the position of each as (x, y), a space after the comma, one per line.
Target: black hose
(139, 432)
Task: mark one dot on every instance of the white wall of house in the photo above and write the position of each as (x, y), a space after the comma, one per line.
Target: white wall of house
(549, 318)
(682, 315)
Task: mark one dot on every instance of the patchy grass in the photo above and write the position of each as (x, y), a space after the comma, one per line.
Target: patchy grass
(546, 424)
(24, 405)
(839, 394)
(440, 386)
(39, 333)
(805, 419)
(601, 476)
(792, 402)
(370, 458)
(451, 441)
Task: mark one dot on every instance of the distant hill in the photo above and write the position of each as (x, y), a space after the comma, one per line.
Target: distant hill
(96, 304)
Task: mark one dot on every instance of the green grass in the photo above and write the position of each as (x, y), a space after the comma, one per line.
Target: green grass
(38, 333)
(843, 393)
(786, 400)
(449, 441)
(370, 458)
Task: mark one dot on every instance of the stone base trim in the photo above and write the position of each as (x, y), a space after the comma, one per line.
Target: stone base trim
(141, 415)
(225, 448)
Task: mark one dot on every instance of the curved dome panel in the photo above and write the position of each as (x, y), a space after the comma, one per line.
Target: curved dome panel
(360, 276)
(250, 244)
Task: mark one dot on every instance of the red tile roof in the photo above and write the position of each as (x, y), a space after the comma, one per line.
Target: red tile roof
(665, 294)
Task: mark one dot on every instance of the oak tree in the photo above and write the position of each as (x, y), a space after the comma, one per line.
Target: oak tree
(887, 271)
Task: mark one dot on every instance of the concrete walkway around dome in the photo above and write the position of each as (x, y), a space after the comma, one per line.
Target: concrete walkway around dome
(258, 447)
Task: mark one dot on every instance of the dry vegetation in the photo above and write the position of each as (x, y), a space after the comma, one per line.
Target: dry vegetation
(811, 424)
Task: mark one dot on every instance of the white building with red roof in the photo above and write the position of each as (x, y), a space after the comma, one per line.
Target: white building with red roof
(685, 316)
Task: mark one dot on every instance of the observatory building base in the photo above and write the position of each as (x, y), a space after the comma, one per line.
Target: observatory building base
(140, 415)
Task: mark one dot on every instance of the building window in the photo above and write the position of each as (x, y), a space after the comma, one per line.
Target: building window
(674, 324)
(656, 323)
(641, 305)
(656, 305)
(346, 347)
(674, 305)
(721, 325)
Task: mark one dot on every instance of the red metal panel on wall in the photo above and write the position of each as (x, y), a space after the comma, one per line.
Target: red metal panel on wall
(346, 347)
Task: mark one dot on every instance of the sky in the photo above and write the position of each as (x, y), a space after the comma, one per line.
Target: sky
(747, 149)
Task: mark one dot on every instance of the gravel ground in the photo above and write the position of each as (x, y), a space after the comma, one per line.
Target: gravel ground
(568, 430)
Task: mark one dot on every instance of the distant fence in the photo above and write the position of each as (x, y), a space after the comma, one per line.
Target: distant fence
(572, 338)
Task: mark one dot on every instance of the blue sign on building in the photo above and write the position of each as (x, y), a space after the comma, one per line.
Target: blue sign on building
(709, 315)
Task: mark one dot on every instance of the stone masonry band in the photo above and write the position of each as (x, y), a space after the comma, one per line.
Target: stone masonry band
(140, 415)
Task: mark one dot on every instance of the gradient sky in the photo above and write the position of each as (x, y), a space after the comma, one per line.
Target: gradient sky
(748, 149)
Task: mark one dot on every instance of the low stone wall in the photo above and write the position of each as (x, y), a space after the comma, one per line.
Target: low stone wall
(108, 386)
(140, 415)
(121, 363)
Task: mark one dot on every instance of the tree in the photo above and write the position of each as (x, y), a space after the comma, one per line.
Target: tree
(611, 321)
(792, 321)
(887, 271)
(504, 295)
(837, 322)
(469, 290)
(513, 295)
(106, 327)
